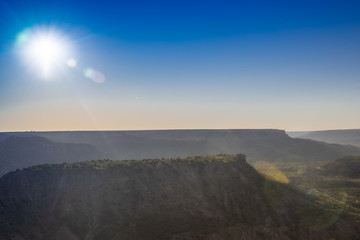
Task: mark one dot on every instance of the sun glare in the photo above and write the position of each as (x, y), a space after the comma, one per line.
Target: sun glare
(46, 50)
(49, 52)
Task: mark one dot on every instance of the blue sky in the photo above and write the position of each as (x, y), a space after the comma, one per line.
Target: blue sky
(290, 65)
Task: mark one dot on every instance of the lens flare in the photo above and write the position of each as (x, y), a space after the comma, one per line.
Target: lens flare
(96, 76)
(271, 171)
(71, 62)
(22, 37)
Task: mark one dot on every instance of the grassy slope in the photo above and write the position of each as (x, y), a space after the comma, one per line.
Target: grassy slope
(337, 193)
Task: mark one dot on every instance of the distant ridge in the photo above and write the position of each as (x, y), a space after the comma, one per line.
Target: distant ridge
(21, 150)
(3, 136)
(257, 144)
(347, 136)
(295, 134)
(24, 150)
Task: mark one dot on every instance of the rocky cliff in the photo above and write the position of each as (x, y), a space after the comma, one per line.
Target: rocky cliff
(213, 197)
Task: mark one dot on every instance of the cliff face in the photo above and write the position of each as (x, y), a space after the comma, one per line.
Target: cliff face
(220, 198)
(27, 150)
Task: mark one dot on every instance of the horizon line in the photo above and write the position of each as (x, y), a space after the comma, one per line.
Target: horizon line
(174, 129)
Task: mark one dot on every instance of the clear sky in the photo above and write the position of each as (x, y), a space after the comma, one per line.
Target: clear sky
(291, 65)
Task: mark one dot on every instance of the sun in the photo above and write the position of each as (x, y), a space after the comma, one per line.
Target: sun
(47, 51)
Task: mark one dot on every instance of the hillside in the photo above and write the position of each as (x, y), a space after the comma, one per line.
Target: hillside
(348, 166)
(3, 136)
(258, 145)
(336, 187)
(212, 197)
(351, 136)
(21, 151)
